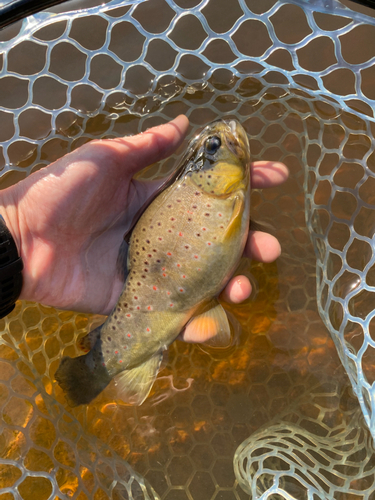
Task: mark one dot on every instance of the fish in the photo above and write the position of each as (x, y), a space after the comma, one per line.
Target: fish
(182, 251)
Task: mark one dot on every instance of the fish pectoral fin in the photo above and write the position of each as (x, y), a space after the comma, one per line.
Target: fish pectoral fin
(211, 326)
(122, 260)
(134, 385)
(235, 222)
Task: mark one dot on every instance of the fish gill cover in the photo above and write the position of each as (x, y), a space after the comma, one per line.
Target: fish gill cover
(299, 76)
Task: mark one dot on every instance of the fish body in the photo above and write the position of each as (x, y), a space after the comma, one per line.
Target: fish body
(182, 252)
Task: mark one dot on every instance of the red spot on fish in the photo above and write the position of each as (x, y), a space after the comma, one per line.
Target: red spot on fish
(169, 253)
(203, 229)
(138, 308)
(120, 360)
(181, 289)
(135, 297)
(155, 287)
(208, 205)
(178, 265)
(163, 268)
(183, 276)
(129, 335)
(168, 293)
(170, 305)
(116, 352)
(160, 239)
(148, 330)
(125, 347)
(164, 275)
(149, 308)
(195, 256)
(189, 212)
(172, 218)
(128, 315)
(208, 243)
(199, 269)
(180, 234)
(219, 215)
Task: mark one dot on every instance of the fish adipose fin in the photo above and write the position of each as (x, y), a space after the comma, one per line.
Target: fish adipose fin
(236, 219)
(212, 326)
(84, 377)
(87, 342)
(134, 385)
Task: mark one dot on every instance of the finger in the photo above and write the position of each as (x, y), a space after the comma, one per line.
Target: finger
(262, 247)
(151, 146)
(266, 174)
(237, 290)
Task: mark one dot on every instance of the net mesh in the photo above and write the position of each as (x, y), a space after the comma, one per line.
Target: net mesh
(300, 77)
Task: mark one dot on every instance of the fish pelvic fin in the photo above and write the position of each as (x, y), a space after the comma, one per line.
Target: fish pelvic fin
(84, 377)
(211, 326)
(134, 385)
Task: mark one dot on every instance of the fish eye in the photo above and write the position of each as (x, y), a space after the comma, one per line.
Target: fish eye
(212, 144)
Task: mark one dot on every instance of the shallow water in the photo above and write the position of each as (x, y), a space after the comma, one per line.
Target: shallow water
(281, 395)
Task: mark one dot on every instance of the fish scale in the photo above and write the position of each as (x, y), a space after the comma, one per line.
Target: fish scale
(182, 252)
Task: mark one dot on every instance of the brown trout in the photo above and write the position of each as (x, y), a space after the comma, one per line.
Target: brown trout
(182, 252)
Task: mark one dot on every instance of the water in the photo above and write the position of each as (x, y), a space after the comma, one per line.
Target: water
(276, 412)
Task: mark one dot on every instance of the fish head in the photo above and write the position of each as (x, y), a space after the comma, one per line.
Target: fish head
(218, 159)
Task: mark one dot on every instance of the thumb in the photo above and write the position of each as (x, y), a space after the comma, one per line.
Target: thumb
(151, 146)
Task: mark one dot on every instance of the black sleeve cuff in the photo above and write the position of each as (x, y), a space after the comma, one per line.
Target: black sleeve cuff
(11, 266)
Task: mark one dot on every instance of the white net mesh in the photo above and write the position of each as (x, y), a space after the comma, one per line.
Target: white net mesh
(300, 77)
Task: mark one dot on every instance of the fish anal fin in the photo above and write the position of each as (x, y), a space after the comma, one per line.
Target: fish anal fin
(211, 327)
(134, 385)
(236, 219)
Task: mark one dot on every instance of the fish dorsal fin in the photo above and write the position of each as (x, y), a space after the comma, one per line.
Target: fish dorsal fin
(212, 326)
(134, 385)
(122, 260)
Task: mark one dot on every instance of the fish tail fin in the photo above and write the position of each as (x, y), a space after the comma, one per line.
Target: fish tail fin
(84, 377)
(134, 385)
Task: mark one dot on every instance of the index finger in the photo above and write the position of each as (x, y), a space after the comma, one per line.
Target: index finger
(265, 174)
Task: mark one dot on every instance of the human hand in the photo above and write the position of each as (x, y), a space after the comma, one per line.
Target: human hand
(68, 219)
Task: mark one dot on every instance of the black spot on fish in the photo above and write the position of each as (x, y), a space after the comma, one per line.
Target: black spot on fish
(207, 214)
(109, 338)
(139, 284)
(147, 241)
(159, 223)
